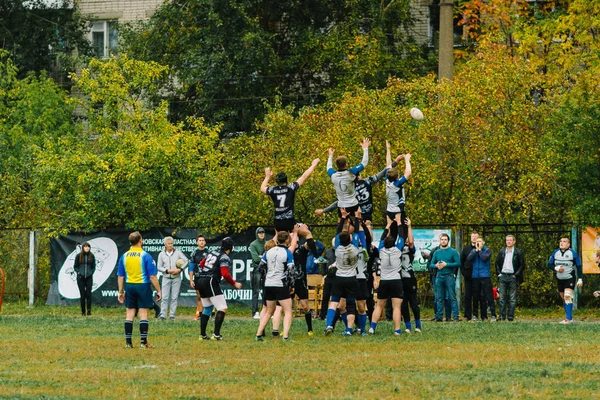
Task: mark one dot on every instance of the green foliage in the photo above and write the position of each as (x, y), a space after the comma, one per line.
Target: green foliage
(35, 115)
(227, 56)
(130, 167)
(42, 36)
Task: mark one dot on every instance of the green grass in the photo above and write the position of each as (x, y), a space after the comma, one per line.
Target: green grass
(52, 352)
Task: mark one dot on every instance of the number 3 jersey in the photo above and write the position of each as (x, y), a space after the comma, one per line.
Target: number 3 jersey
(283, 198)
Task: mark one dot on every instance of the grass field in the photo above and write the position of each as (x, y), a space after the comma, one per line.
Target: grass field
(52, 352)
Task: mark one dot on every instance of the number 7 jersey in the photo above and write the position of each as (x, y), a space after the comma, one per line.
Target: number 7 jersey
(283, 198)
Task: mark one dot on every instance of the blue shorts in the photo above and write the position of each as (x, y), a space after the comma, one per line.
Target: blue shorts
(138, 295)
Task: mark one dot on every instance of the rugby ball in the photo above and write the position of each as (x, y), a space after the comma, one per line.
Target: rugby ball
(416, 114)
(179, 263)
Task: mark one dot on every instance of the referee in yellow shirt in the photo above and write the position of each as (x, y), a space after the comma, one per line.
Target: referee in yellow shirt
(136, 276)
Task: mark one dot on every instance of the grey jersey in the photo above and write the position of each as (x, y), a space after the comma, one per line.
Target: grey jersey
(280, 261)
(346, 258)
(390, 260)
(343, 181)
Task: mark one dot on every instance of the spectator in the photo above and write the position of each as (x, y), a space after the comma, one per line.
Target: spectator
(481, 279)
(466, 270)
(257, 249)
(446, 260)
(171, 262)
(85, 266)
(510, 264)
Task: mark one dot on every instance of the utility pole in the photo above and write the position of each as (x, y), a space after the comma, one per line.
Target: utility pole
(446, 49)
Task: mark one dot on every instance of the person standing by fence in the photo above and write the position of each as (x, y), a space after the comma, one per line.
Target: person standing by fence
(510, 264)
(85, 266)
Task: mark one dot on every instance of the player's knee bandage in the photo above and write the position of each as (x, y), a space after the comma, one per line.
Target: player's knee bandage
(207, 310)
(568, 296)
(350, 306)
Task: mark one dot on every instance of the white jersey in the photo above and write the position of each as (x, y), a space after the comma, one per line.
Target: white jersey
(405, 262)
(363, 259)
(394, 191)
(390, 266)
(280, 261)
(346, 258)
(343, 181)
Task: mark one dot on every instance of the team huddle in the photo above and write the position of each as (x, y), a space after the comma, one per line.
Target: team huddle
(356, 267)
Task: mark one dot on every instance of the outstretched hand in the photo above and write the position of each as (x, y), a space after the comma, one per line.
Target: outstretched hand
(268, 172)
(315, 162)
(365, 144)
(331, 151)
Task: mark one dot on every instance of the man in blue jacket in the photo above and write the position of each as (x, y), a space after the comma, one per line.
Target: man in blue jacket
(480, 258)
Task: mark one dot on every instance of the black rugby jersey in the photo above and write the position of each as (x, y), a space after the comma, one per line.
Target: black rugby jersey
(283, 198)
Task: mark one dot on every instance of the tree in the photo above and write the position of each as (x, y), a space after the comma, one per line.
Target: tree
(130, 166)
(227, 56)
(35, 115)
(39, 36)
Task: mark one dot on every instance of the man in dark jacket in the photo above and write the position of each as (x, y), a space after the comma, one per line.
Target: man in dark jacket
(510, 264)
(466, 270)
(257, 249)
(480, 277)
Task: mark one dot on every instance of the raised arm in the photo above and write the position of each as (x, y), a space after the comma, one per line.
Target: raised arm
(388, 155)
(330, 170)
(308, 172)
(407, 168)
(265, 183)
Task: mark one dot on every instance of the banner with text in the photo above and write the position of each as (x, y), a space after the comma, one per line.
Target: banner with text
(108, 246)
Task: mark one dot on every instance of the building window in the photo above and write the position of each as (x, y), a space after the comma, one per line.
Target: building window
(104, 38)
(434, 27)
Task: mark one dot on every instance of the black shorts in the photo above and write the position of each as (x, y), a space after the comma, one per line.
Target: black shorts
(208, 287)
(138, 295)
(363, 290)
(287, 225)
(350, 210)
(409, 285)
(366, 216)
(392, 215)
(301, 289)
(276, 293)
(566, 284)
(345, 287)
(390, 289)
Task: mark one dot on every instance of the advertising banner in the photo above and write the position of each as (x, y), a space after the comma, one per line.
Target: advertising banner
(425, 240)
(109, 245)
(590, 244)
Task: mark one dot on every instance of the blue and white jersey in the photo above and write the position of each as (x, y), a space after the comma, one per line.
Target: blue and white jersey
(346, 259)
(567, 259)
(394, 192)
(280, 263)
(343, 181)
